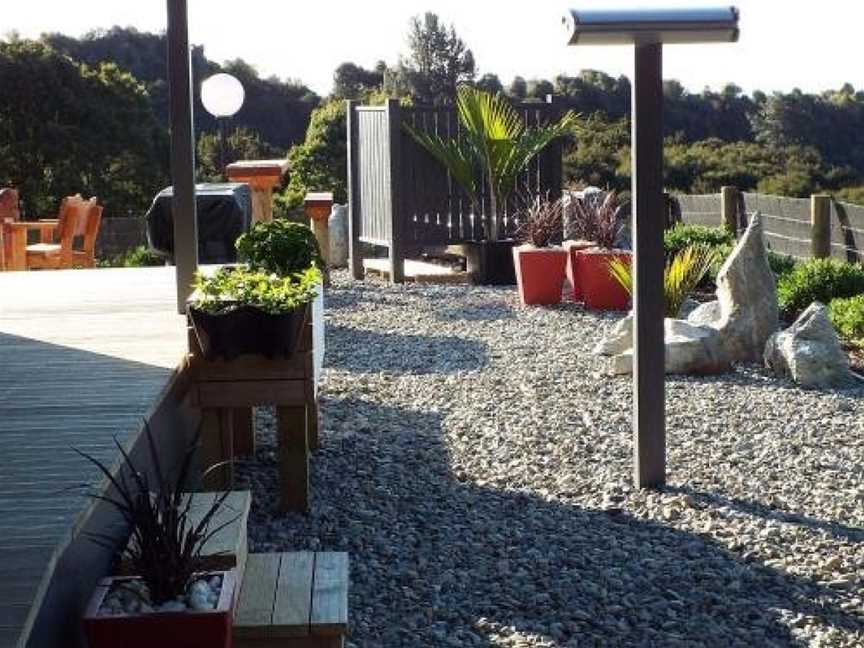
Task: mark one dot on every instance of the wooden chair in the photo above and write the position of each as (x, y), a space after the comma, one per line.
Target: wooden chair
(79, 221)
(9, 213)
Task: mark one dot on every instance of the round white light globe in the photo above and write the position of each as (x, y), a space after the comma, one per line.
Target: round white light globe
(222, 94)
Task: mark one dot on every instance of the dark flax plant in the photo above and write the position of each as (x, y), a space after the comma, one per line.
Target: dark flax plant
(595, 220)
(540, 221)
(165, 551)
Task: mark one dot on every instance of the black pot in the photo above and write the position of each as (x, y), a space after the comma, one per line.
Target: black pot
(490, 263)
(247, 330)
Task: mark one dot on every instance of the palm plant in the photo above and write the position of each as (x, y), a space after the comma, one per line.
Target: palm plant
(682, 274)
(493, 148)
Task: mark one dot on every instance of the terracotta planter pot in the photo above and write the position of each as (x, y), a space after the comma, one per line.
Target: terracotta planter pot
(539, 274)
(207, 629)
(247, 330)
(600, 290)
(573, 249)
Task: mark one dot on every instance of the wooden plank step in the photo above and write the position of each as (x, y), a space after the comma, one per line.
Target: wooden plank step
(227, 549)
(418, 271)
(293, 600)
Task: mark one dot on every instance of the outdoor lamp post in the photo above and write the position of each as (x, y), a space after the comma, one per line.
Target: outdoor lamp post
(222, 95)
(647, 30)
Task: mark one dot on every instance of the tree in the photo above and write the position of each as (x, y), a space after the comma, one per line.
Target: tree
(539, 88)
(70, 128)
(438, 61)
(494, 147)
(489, 83)
(240, 144)
(319, 163)
(518, 88)
(350, 81)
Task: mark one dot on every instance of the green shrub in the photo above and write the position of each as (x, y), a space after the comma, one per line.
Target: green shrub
(683, 236)
(230, 287)
(847, 315)
(818, 280)
(138, 257)
(781, 264)
(280, 247)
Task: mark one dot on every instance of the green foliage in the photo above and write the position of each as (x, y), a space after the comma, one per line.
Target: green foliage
(681, 236)
(847, 316)
(351, 81)
(319, 164)
(231, 287)
(278, 110)
(598, 156)
(682, 274)
(166, 547)
(781, 264)
(138, 257)
(818, 280)
(281, 247)
(438, 62)
(69, 128)
(494, 145)
(240, 144)
(854, 195)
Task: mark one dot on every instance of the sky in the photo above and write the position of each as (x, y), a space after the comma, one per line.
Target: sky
(784, 44)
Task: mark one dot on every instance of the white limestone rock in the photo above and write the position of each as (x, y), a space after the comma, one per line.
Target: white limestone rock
(747, 294)
(690, 349)
(337, 224)
(809, 351)
(707, 314)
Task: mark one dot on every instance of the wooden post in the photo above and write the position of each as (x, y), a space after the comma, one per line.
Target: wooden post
(217, 447)
(182, 151)
(820, 226)
(649, 371)
(394, 123)
(355, 256)
(244, 431)
(729, 209)
(291, 425)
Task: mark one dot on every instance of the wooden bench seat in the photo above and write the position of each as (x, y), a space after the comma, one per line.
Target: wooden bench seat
(293, 600)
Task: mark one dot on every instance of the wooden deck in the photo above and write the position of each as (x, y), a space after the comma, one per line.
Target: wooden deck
(84, 356)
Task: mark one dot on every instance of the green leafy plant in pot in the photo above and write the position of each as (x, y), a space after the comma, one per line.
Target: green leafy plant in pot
(172, 600)
(259, 307)
(539, 264)
(595, 220)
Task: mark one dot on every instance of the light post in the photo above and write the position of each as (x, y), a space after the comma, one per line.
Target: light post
(222, 95)
(648, 30)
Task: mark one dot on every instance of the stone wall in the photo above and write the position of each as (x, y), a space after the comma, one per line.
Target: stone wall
(119, 235)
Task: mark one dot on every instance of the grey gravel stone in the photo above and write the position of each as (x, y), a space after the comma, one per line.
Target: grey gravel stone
(476, 462)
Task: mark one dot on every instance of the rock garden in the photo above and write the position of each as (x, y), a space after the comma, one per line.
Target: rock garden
(476, 463)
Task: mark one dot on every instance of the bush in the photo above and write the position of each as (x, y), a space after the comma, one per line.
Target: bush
(280, 247)
(230, 287)
(683, 236)
(781, 264)
(847, 315)
(139, 257)
(818, 280)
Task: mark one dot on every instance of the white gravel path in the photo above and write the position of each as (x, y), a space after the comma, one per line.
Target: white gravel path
(476, 464)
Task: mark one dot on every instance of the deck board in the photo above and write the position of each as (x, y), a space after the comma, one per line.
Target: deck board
(84, 356)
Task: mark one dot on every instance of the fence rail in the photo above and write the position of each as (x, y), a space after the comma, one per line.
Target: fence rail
(799, 227)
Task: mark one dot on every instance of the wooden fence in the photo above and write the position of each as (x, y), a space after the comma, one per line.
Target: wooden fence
(815, 227)
(401, 198)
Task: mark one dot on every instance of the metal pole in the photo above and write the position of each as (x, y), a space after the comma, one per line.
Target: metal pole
(182, 150)
(649, 431)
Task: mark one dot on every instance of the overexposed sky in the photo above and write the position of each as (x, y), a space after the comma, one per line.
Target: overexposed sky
(784, 43)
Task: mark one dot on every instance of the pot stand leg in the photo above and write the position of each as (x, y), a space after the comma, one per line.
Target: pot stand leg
(312, 425)
(217, 431)
(244, 432)
(293, 458)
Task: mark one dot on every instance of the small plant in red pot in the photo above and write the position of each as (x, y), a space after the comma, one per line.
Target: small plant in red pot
(596, 220)
(172, 601)
(539, 265)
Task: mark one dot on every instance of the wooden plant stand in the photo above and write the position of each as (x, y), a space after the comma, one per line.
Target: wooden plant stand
(226, 391)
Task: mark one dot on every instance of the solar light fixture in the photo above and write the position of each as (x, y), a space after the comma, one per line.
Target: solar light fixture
(640, 26)
(648, 30)
(222, 95)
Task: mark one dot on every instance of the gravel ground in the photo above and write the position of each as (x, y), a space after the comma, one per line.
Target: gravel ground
(476, 464)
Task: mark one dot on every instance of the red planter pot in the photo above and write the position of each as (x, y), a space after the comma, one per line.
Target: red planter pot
(599, 289)
(539, 274)
(206, 629)
(574, 248)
